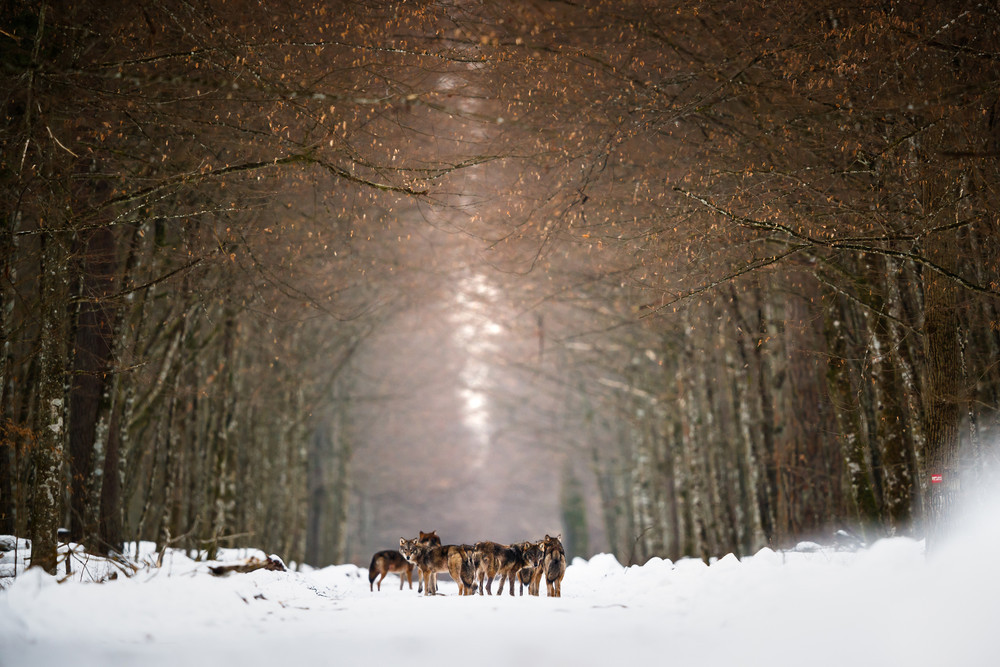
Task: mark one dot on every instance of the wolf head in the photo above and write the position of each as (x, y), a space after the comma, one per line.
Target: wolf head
(431, 539)
(552, 545)
(407, 547)
(532, 553)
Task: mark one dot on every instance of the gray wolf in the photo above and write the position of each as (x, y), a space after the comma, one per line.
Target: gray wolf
(531, 574)
(553, 564)
(430, 560)
(430, 539)
(489, 564)
(463, 566)
(384, 562)
(511, 560)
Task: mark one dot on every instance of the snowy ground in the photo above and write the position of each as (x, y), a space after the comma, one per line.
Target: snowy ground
(884, 605)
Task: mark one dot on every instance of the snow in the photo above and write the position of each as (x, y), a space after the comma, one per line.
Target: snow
(889, 604)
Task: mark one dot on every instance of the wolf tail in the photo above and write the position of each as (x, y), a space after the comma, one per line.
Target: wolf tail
(468, 572)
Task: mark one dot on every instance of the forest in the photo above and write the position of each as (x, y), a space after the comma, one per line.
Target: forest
(667, 277)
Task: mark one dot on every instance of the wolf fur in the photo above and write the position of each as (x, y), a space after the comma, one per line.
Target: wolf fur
(512, 559)
(530, 574)
(431, 560)
(384, 562)
(489, 564)
(554, 565)
(429, 539)
(463, 564)
(474, 567)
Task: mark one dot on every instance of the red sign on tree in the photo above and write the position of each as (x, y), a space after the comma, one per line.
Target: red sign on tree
(937, 479)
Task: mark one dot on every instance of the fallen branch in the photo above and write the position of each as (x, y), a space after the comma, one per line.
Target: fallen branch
(272, 562)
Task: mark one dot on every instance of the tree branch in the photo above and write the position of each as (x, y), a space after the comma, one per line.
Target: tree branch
(847, 244)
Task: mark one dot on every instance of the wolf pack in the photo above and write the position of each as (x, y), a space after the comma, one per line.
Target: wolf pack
(474, 567)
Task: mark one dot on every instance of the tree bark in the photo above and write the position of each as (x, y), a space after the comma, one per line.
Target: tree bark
(942, 399)
(758, 442)
(316, 478)
(48, 454)
(90, 383)
(110, 528)
(910, 383)
(698, 513)
(754, 537)
(7, 441)
(340, 489)
(851, 431)
(891, 429)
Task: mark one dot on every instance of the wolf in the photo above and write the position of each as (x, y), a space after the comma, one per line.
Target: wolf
(530, 575)
(431, 539)
(463, 565)
(428, 539)
(489, 563)
(511, 560)
(431, 560)
(553, 564)
(384, 562)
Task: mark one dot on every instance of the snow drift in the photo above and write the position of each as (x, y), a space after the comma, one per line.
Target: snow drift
(886, 604)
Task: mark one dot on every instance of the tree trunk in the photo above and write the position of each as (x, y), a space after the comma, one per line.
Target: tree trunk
(340, 489)
(891, 431)
(851, 431)
(316, 478)
(754, 537)
(665, 451)
(694, 469)
(48, 454)
(7, 440)
(752, 411)
(767, 425)
(910, 383)
(90, 383)
(942, 399)
(711, 444)
(611, 503)
(221, 497)
(574, 515)
(641, 491)
(110, 527)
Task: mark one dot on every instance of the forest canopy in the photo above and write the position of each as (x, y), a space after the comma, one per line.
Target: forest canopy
(672, 278)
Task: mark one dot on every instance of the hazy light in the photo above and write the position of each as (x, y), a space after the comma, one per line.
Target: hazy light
(474, 336)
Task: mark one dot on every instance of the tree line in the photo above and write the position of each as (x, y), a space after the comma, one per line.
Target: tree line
(795, 205)
(760, 243)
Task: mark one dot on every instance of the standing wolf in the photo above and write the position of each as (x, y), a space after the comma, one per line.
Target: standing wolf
(430, 560)
(531, 573)
(384, 562)
(463, 565)
(553, 564)
(512, 560)
(430, 539)
(489, 564)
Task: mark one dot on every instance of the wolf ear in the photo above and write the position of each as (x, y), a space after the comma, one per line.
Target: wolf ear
(402, 541)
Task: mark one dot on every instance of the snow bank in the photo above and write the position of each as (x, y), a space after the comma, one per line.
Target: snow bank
(885, 604)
